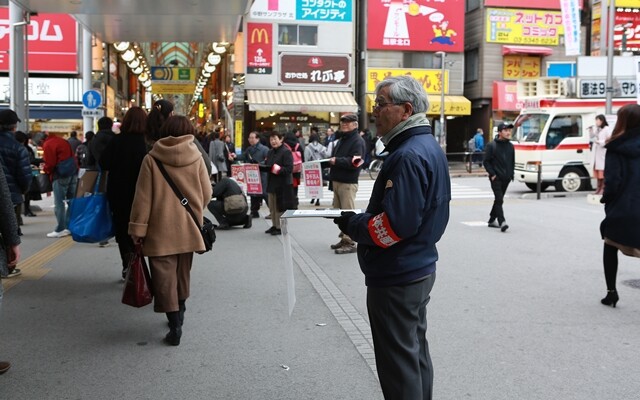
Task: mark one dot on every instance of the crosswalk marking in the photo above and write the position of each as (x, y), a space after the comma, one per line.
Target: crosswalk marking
(366, 186)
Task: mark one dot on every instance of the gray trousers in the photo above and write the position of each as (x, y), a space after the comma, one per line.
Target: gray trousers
(398, 317)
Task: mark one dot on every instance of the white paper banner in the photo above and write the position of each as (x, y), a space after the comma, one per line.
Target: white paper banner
(571, 21)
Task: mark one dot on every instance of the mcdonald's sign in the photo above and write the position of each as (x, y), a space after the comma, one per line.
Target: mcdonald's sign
(259, 48)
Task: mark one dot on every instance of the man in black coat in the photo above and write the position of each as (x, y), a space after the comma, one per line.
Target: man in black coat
(98, 144)
(499, 162)
(345, 162)
(230, 205)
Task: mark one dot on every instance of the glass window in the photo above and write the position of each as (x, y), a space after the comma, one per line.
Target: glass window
(528, 127)
(294, 35)
(471, 65)
(563, 126)
(472, 5)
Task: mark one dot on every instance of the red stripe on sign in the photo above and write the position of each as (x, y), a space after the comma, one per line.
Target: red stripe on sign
(381, 232)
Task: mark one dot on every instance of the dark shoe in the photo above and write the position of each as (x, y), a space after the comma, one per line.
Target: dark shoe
(611, 299)
(249, 222)
(276, 232)
(347, 249)
(317, 202)
(504, 226)
(311, 201)
(267, 216)
(19, 232)
(493, 224)
(336, 246)
(175, 329)
(4, 366)
(273, 228)
(223, 227)
(255, 214)
(29, 214)
(13, 273)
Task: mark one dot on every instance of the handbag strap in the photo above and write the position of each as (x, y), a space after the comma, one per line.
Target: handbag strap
(183, 200)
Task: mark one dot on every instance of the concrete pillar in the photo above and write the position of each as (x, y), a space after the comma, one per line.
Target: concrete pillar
(16, 64)
(87, 80)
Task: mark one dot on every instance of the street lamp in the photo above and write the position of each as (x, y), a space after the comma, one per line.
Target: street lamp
(443, 132)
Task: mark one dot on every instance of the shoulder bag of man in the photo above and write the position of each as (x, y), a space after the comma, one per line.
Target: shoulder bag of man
(235, 204)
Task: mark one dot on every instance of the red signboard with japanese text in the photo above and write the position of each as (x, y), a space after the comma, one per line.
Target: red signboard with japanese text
(626, 34)
(52, 43)
(543, 4)
(248, 177)
(505, 96)
(415, 25)
(259, 48)
(315, 69)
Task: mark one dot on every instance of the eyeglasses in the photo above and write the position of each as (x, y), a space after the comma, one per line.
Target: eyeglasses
(379, 105)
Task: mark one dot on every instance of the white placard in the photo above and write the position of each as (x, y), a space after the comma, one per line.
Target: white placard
(312, 174)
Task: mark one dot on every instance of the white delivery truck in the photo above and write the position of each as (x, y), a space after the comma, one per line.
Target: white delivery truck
(554, 135)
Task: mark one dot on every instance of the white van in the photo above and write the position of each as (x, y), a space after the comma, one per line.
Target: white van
(555, 136)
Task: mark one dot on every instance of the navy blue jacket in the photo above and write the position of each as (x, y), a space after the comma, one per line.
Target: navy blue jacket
(16, 164)
(622, 190)
(351, 144)
(407, 213)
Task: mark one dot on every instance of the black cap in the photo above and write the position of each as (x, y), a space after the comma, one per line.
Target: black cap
(504, 126)
(348, 118)
(9, 117)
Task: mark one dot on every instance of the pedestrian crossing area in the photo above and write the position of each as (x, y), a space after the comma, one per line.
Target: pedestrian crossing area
(458, 192)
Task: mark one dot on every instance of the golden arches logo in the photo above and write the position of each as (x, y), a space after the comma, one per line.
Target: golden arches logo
(259, 32)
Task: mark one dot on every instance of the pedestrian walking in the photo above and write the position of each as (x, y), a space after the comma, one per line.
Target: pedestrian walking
(216, 155)
(345, 164)
(397, 235)
(156, 207)
(478, 146)
(9, 241)
(499, 162)
(122, 159)
(599, 137)
(620, 228)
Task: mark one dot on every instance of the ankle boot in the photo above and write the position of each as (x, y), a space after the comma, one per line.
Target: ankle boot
(183, 308)
(611, 299)
(175, 330)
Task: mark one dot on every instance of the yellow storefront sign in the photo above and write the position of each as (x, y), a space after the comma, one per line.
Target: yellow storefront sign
(517, 67)
(453, 105)
(169, 87)
(526, 27)
(238, 134)
(429, 78)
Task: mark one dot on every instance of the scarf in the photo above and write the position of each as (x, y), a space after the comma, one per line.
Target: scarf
(419, 119)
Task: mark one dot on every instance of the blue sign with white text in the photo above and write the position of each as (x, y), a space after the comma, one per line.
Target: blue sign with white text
(91, 99)
(324, 10)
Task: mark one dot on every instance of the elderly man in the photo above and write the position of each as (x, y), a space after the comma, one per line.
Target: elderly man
(255, 154)
(345, 163)
(397, 235)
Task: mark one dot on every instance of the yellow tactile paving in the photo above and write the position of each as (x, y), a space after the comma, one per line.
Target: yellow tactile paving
(32, 267)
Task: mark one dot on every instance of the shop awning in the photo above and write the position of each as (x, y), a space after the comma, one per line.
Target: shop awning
(301, 101)
(534, 50)
(453, 105)
(51, 111)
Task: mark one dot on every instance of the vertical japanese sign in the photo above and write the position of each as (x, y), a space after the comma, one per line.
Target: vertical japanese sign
(53, 43)
(421, 25)
(312, 174)
(259, 48)
(571, 19)
(248, 177)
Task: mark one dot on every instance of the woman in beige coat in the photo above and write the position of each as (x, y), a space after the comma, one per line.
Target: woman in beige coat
(156, 207)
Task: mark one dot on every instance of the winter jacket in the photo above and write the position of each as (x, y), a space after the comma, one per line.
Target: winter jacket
(8, 223)
(599, 151)
(343, 171)
(280, 183)
(99, 143)
(622, 190)
(407, 213)
(255, 155)
(216, 155)
(55, 150)
(314, 151)
(16, 165)
(155, 205)
(122, 159)
(478, 141)
(499, 159)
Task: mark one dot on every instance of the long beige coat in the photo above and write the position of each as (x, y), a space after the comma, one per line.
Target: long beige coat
(157, 215)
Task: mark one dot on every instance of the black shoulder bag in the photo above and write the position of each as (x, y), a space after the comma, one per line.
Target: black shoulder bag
(207, 230)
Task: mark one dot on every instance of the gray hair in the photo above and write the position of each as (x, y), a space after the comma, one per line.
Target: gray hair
(405, 88)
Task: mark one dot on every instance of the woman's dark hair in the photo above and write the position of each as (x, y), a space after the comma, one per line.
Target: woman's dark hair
(314, 137)
(21, 137)
(89, 136)
(134, 122)
(628, 119)
(177, 125)
(159, 113)
(602, 119)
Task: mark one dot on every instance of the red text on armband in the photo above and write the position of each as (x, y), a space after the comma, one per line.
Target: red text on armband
(381, 232)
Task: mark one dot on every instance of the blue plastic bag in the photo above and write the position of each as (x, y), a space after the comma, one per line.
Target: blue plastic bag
(90, 217)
